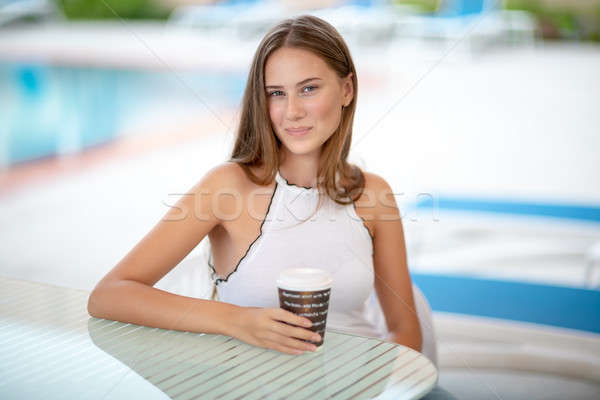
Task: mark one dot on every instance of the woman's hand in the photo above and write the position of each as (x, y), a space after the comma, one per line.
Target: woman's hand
(268, 328)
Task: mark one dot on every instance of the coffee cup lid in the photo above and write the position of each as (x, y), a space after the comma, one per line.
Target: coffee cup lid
(304, 279)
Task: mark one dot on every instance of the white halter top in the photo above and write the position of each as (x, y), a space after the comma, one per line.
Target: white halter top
(335, 239)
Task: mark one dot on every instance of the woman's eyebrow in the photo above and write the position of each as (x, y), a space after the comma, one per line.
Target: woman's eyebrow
(297, 84)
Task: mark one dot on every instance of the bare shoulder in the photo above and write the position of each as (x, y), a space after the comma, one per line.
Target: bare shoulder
(224, 177)
(377, 202)
(228, 186)
(375, 187)
(226, 173)
(375, 182)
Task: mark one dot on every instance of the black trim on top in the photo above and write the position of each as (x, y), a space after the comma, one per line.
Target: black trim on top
(293, 184)
(249, 247)
(364, 224)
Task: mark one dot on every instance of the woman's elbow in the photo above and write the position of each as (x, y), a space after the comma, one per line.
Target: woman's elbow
(97, 301)
(419, 341)
(92, 304)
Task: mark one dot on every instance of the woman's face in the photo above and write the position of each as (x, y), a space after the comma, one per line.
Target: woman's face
(305, 99)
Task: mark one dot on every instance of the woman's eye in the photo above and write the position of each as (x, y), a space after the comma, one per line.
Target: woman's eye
(278, 93)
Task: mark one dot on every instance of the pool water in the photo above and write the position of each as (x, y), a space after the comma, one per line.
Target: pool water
(47, 110)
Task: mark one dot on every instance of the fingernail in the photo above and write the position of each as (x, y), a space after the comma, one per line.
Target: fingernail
(317, 338)
(308, 323)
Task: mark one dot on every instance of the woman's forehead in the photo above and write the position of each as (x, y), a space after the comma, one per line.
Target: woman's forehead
(289, 66)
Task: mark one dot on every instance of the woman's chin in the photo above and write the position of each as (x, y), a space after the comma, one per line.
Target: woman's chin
(302, 150)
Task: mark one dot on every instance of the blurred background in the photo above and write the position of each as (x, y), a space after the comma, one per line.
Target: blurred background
(482, 115)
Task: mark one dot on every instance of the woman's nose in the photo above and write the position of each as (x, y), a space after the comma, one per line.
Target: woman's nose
(294, 108)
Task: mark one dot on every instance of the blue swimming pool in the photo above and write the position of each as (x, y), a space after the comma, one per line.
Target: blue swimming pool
(572, 308)
(47, 110)
(562, 306)
(512, 207)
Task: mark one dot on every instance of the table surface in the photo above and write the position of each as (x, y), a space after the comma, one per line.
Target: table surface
(51, 348)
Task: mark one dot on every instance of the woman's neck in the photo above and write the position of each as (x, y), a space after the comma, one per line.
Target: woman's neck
(300, 170)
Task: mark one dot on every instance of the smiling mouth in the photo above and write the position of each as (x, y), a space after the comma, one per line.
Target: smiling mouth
(298, 131)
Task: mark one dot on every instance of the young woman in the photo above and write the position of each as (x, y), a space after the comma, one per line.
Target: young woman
(287, 198)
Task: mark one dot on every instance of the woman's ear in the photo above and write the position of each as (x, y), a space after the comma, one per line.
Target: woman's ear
(347, 89)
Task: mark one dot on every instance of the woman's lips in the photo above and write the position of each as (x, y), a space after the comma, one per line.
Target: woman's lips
(298, 132)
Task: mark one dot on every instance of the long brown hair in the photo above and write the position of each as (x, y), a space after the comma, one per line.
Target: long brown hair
(256, 144)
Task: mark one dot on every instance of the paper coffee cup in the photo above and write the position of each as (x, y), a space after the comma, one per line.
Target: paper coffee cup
(305, 292)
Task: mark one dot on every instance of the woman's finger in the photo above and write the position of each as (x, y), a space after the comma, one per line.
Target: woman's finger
(289, 342)
(291, 318)
(300, 333)
(282, 348)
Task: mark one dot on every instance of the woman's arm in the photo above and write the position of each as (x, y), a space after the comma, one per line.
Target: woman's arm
(127, 294)
(392, 280)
